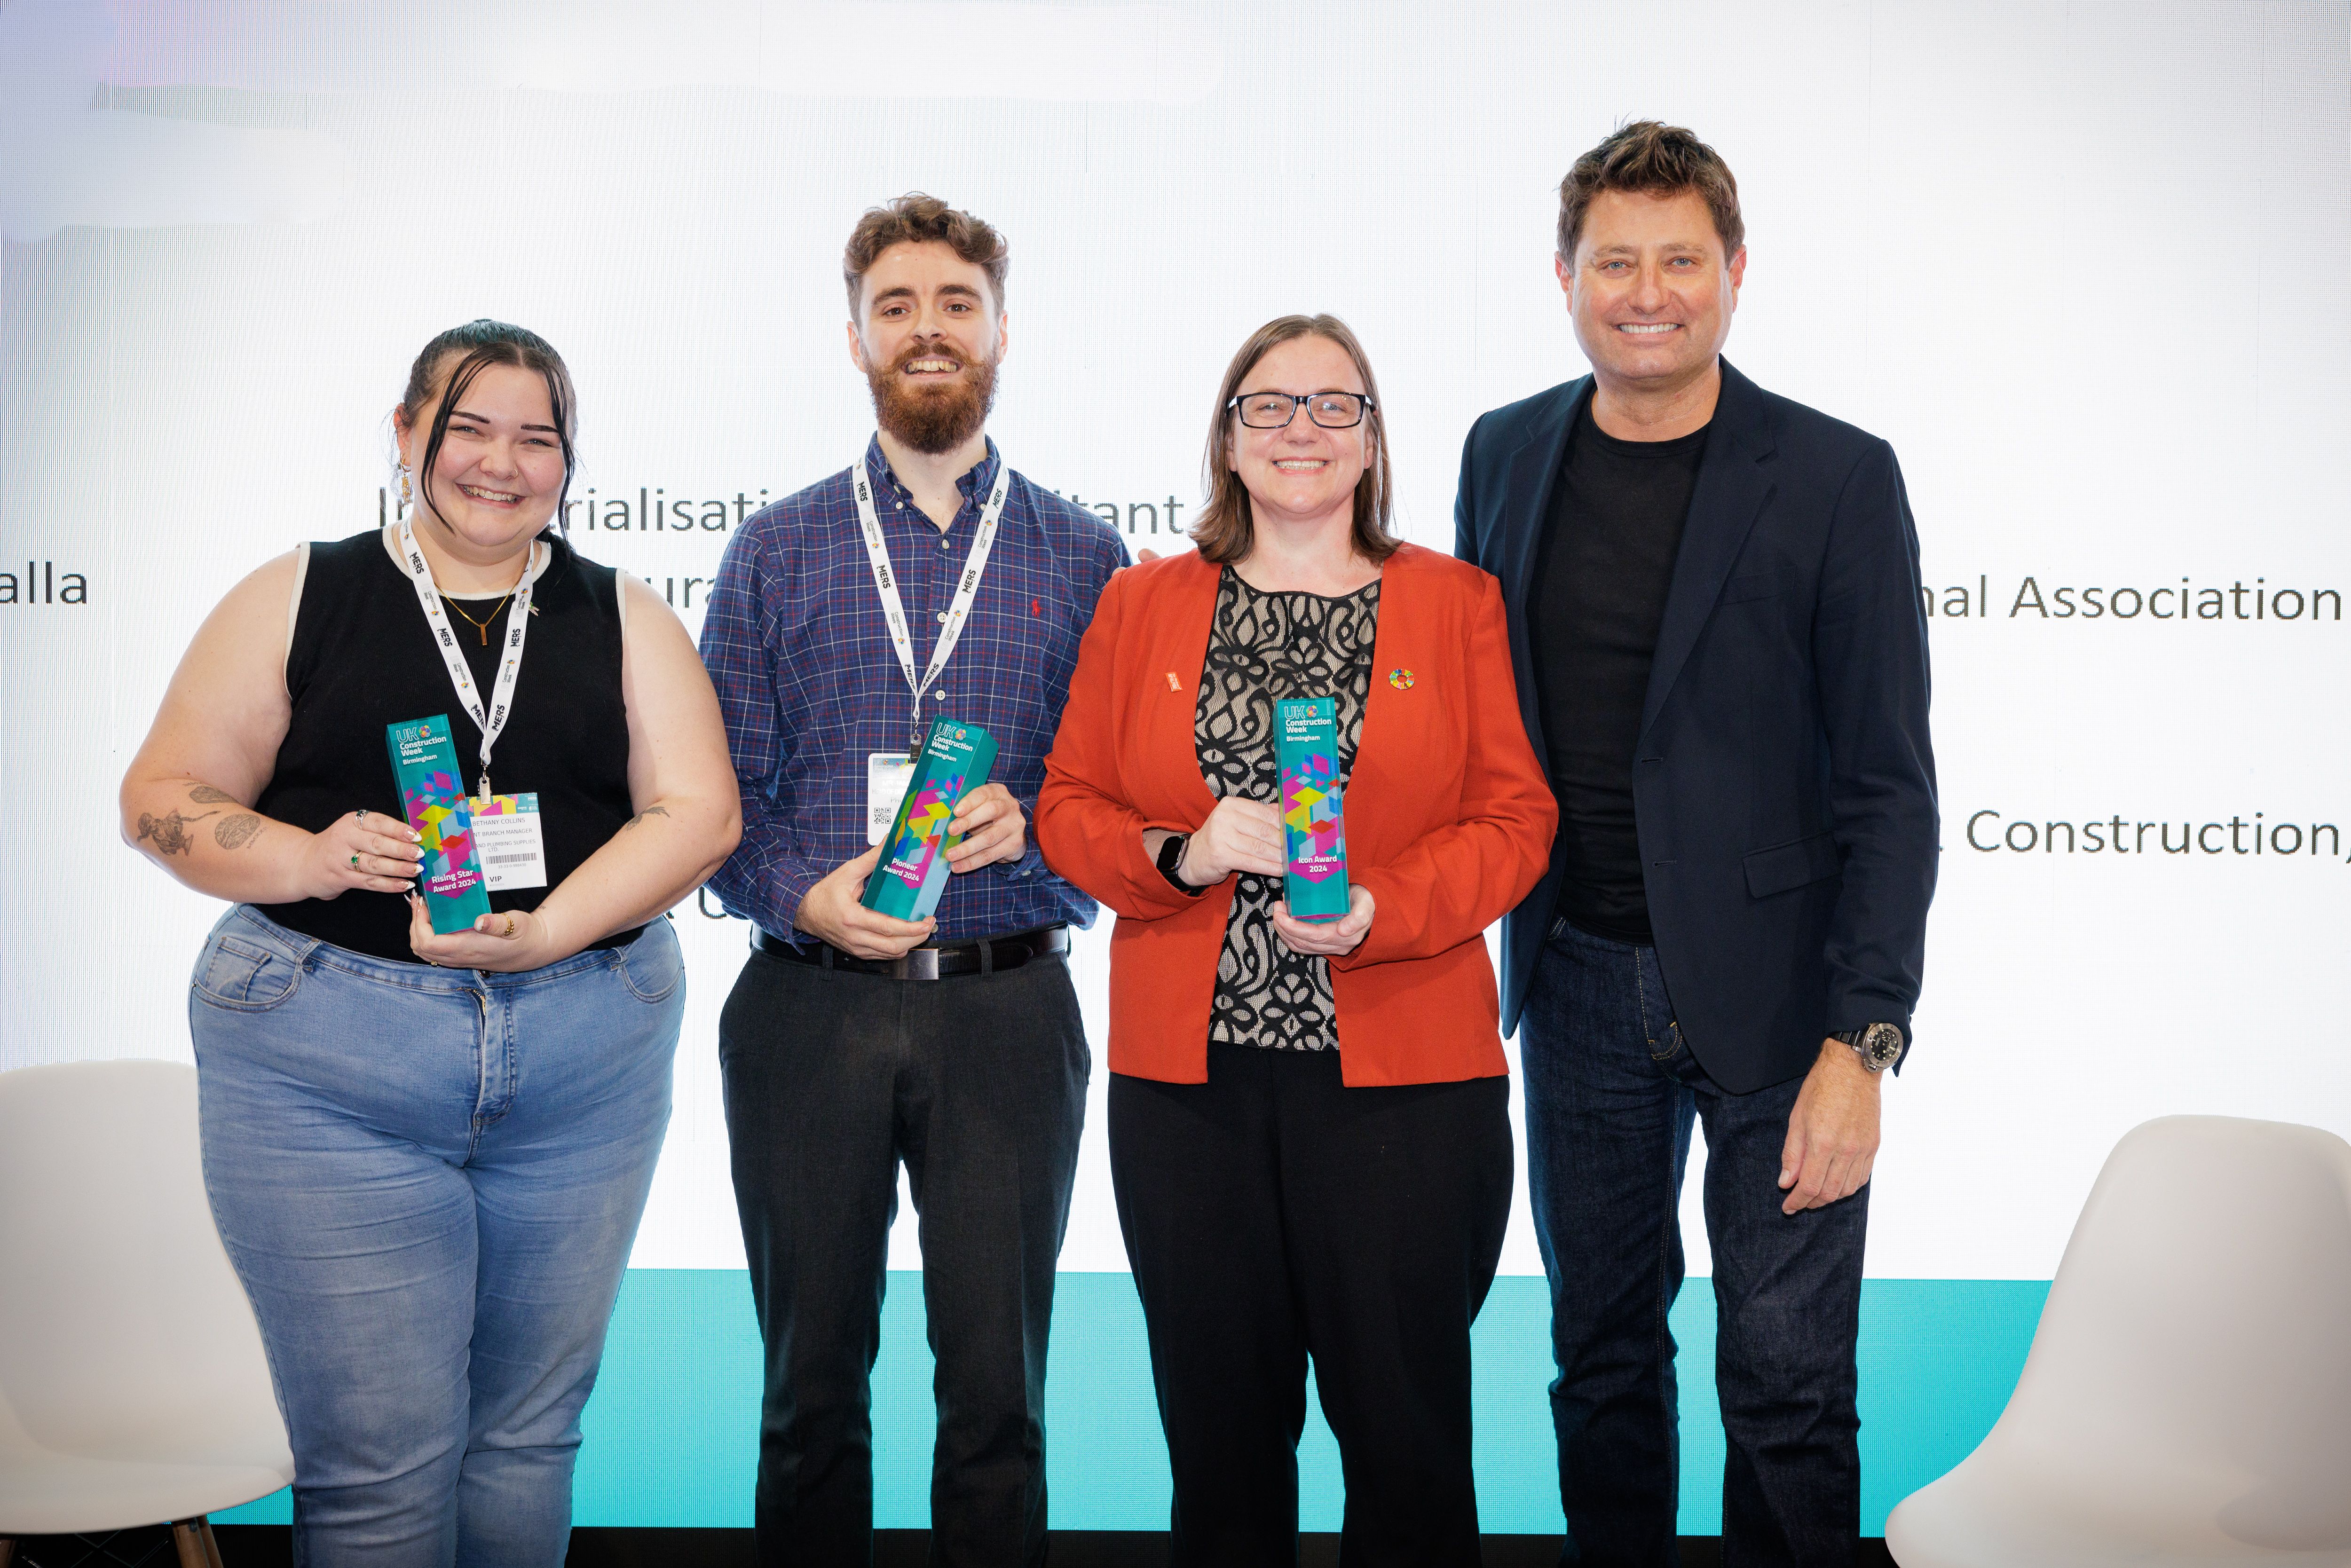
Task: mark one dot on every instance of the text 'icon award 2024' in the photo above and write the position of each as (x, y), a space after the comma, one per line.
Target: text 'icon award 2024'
(1306, 749)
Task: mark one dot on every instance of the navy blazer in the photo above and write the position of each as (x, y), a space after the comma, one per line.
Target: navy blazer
(1784, 787)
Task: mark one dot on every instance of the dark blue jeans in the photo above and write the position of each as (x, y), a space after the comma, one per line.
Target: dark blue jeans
(1612, 1089)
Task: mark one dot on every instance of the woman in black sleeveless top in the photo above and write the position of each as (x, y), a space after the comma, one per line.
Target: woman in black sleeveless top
(427, 1153)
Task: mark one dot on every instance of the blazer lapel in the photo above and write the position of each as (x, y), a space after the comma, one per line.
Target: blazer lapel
(1533, 473)
(1734, 482)
(1398, 627)
(1186, 613)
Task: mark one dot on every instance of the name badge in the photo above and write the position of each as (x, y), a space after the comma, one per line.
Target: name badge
(513, 851)
(887, 774)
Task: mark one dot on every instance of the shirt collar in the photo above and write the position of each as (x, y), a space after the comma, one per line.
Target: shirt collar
(977, 481)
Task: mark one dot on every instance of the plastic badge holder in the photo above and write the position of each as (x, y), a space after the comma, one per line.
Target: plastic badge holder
(1306, 748)
(913, 871)
(433, 796)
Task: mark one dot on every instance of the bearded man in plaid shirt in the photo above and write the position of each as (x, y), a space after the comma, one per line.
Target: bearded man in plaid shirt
(853, 1040)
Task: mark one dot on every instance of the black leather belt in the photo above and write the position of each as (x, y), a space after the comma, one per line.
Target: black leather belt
(988, 956)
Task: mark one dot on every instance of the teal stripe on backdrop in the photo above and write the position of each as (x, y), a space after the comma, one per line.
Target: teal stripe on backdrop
(673, 1429)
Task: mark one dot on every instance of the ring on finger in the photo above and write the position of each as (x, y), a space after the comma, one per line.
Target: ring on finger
(510, 925)
(355, 862)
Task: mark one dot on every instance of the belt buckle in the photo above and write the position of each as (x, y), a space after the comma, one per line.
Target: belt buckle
(916, 964)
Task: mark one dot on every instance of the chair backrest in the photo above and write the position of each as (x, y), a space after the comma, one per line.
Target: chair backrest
(2198, 1335)
(119, 1316)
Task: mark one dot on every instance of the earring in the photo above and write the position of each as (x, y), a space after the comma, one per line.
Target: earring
(404, 481)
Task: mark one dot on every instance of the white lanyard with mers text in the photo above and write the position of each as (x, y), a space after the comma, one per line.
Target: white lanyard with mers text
(877, 555)
(428, 595)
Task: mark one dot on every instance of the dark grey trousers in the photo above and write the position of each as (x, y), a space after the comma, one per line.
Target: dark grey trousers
(978, 1083)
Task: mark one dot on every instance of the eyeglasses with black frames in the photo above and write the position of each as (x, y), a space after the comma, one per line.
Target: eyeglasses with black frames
(1274, 410)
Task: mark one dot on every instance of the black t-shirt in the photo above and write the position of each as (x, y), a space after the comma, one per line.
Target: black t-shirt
(1592, 609)
(363, 656)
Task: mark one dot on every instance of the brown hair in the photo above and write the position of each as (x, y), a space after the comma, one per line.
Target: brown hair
(1653, 159)
(1226, 529)
(912, 219)
(476, 346)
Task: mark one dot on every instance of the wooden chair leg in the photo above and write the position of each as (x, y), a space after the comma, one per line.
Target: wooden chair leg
(187, 1538)
(212, 1546)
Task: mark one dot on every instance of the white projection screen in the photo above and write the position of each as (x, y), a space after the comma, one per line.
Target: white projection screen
(2087, 266)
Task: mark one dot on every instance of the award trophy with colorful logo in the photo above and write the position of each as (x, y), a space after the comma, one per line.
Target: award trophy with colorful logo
(432, 796)
(1306, 749)
(912, 872)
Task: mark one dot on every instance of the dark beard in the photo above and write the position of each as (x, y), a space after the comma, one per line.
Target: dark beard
(933, 420)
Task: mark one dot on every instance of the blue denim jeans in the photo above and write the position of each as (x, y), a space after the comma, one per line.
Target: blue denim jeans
(428, 1180)
(1612, 1091)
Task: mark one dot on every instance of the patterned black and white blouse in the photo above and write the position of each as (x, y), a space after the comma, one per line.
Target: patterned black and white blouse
(1267, 648)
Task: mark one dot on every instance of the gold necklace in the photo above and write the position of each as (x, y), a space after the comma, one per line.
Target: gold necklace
(483, 625)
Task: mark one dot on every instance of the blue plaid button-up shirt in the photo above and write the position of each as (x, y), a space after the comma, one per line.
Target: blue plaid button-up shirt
(797, 646)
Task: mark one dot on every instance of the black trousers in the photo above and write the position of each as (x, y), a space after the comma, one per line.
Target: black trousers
(979, 1082)
(1272, 1215)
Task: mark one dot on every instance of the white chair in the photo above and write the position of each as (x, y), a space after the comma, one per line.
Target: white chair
(132, 1387)
(2187, 1403)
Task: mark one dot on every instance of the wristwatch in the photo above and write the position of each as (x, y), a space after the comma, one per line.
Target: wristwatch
(1170, 855)
(1879, 1045)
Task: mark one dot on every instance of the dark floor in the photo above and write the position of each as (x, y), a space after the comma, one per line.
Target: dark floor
(268, 1546)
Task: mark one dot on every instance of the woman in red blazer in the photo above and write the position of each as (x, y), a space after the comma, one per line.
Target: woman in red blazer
(1309, 1121)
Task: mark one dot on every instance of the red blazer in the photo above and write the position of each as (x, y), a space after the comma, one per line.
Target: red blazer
(1448, 820)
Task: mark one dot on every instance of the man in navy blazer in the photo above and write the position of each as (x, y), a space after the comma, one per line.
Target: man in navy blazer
(1721, 656)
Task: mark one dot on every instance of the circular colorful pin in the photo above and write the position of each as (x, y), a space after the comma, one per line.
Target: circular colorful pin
(1400, 679)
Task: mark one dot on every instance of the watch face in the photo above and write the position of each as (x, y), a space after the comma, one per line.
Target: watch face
(1882, 1044)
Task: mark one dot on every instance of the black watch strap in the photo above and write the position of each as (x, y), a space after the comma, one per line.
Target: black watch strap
(1879, 1045)
(1170, 855)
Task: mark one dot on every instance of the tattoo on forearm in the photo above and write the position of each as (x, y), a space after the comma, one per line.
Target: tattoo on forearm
(205, 795)
(648, 811)
(237, 831)
(170, 831)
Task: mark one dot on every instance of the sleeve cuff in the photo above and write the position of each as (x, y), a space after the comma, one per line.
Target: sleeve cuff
(791, 889)
(1032, 864)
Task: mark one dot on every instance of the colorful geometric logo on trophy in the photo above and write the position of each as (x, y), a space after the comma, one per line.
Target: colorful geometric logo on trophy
(926, 829)
(439, 814)
(1310, 810)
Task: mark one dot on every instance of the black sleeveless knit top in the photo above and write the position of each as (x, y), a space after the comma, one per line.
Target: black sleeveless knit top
(363, 657)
